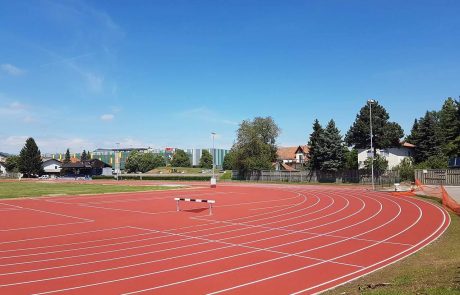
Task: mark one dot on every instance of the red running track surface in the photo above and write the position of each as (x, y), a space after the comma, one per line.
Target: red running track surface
(269, 239)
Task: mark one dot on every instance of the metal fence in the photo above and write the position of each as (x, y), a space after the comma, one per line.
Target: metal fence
(438, 176)
(387, 178)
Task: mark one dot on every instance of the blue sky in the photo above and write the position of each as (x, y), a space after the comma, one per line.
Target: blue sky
(88, 74)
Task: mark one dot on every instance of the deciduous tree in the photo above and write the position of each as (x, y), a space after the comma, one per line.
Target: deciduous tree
(206, 160)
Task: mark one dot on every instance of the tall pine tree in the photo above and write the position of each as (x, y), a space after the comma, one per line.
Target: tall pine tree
(30, 160)
(427, 137)
(83, 156)
(449, 123)
(315, 143)
(385, 133)
(331, 149)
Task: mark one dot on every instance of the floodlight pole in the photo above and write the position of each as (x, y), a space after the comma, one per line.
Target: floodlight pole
(117, 160)
(371, 101)
(213, 179)
(213, 153)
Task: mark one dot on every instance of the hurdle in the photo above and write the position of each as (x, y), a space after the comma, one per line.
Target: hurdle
(210, 202)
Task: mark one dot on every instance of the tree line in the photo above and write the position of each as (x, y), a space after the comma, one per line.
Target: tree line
(436, 137)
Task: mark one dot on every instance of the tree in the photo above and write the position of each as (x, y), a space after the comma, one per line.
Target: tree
(180, 159)
(380, 164)
(67, 157)
(11, 164)
(133, 162)
(405, 169)
(427, 137)
(449, 124)
(315, 142)
(255, 148)
(331, 149)
(83, 156)
(149, 161)
(206, 160)
(350, 159)
(30, 161)
(228, 160)
(385, 134)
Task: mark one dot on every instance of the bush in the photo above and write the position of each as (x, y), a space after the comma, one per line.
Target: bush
(157, 177)
(405, 169)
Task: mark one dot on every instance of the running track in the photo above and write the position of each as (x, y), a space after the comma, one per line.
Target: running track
(260, 240)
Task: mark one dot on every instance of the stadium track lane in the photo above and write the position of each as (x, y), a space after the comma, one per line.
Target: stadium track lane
(319, 238)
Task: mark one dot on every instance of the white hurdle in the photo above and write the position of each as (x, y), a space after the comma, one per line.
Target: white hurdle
(210, 202)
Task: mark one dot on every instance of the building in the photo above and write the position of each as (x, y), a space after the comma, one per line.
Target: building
(291, 158)
(2, 168)
(217, 154)
(393, 155)
(84, 168)
(51, 167)
(3, 157)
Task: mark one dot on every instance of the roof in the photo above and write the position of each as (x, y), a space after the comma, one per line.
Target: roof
(288, 153)
(287, 167)
(50, 160)
(407, 145)
(93, 163)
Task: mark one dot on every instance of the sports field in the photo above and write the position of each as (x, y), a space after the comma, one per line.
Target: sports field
(261, 239)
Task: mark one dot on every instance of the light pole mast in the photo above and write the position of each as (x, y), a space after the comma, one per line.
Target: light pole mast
(371, 101)
(213, 179)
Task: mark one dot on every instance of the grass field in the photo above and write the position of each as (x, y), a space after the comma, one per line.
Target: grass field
(36, 189)
(433, 270)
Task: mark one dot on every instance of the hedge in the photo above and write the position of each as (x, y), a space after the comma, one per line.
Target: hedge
(152, 177)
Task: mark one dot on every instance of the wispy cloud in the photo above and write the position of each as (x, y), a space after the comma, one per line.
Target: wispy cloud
(205, 114)
(12, 70)
(107, 117)
(94, 82)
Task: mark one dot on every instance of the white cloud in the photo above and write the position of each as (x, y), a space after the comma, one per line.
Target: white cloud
(12, 70)
(107, 117)
(13, 144)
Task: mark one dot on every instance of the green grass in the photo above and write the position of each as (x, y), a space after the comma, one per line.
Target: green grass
(434, 270)
(37, 189)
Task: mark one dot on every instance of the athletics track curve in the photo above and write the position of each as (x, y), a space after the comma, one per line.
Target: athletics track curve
(262, 239)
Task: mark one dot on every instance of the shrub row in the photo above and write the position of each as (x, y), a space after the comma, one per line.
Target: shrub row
(151, 177)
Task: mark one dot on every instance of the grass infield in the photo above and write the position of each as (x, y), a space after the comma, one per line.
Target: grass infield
(433, 270)
(37, 189)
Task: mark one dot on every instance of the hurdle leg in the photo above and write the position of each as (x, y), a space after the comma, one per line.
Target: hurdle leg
(210, 208)
(177, 206)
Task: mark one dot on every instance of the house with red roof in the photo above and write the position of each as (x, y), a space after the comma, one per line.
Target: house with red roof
(394, 155)
(291, 158)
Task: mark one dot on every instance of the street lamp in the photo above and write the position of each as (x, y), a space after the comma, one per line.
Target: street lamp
(370, 102)
(213, 179)
(117, 160)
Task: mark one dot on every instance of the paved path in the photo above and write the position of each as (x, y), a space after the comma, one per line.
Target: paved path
(454, 192)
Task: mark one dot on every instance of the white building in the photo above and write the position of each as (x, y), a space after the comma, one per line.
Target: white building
(394, 155)
(51, 167)
(2, 168)
(217, 154)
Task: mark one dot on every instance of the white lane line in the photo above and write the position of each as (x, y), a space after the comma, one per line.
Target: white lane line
(74, 243)
(271, 207)
(206, 241)
(82, 248)
(389, 258)
(262, 214)
(62, 235)
(78, 287)
(43, 226)
(127, 210)
(102, 252)
(335, 258)
(52, 213)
